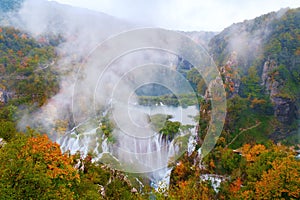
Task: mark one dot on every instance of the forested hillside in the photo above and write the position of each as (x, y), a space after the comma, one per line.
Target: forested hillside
(254, 158)
(27, 81)
(259, 60)
(259, 63)
(32, 166)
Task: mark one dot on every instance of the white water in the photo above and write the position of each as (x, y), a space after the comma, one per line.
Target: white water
(149, 154)
(214, 179)
(191, 145)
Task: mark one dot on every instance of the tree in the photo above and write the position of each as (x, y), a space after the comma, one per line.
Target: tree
(35, 168)
(280, 182)
(7, 130)
(251, 87)
(193, 189)
(271, 172)
(170, 129)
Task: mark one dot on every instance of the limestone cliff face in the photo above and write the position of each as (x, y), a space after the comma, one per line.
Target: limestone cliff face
(267, 53)
(285, 108)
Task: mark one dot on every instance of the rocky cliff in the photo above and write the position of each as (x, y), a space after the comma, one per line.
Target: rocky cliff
(266, 65)
(285, 107)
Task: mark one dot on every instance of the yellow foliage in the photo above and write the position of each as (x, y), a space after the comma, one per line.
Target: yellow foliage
(251, 153)
(282, 180)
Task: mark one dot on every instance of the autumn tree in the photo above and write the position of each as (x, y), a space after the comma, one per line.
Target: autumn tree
(270, 172)
(35, 168)
(281, 181)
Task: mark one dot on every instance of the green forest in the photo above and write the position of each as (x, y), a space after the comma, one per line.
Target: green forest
(256, 156)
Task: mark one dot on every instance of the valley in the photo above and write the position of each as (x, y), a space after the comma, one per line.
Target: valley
(116, 111)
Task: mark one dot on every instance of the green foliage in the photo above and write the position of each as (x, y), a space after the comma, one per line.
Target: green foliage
(294, 138)
(90, 179)
(196, 81)
(251, 84)
(34, 168)
(194, 77)
(255, 93)
(107, 127)
(183, 100)
(288, 83)
(283, 47)
(278, 43)
(170, 129)
(158, 121)
(274, 47)
(262, 164)
(252, 169)
(118, 189)
(229, 161)
(7, 130)
(246, 123)
(8, 112)
(100, 182)
(24, 66)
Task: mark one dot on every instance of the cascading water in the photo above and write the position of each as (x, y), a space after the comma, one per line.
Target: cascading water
(192, 144)
(81, 142)
(149, 155)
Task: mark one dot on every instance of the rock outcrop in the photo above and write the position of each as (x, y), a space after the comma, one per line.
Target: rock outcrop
(285, 108)
(231, 76)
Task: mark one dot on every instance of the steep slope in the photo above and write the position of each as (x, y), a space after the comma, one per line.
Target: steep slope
(25, 67)
(263, 54)
(82, 29)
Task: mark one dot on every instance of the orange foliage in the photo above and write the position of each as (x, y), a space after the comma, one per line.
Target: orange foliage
(251, 153)
(180, 169)
(282, 180)
(212, 164)
(42, 149)
(236, 185)
(191, 189)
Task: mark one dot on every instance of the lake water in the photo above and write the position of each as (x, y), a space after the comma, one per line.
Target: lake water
(183, 115)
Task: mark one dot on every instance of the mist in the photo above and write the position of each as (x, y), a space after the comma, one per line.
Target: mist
(101, 62)
(82, 31)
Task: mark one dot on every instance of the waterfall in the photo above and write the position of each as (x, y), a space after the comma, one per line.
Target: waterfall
(161, 181)
(191, 144)
(144, 154)
(149, 152)
(215, 180)
(104, 146)
(84, 143)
